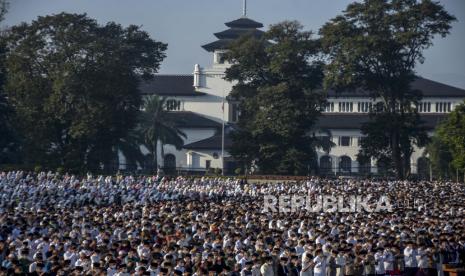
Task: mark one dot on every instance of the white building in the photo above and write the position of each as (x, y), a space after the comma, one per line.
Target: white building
(196, 103)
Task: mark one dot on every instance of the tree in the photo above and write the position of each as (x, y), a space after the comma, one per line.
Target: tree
(440, 157)
(8, 137)
(448, 149)
(74, 86)
(157, 126)
(8, 142)
(276, 79)
(130, 148)
(3, 9)
(374, 46)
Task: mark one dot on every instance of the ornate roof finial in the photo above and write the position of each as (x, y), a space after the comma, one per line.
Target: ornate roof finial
(244, 8)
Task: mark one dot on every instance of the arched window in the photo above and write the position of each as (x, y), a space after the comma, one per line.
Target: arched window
(325, 164)
(345, 165)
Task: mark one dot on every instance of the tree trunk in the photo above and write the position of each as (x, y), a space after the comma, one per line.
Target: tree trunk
(406, 167)
(162, 151)
(155, 156)
(396, 155)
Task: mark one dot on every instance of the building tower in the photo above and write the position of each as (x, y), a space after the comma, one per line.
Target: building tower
(237, 28)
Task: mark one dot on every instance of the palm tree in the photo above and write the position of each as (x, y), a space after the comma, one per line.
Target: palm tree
(158, 126)
(129, 147)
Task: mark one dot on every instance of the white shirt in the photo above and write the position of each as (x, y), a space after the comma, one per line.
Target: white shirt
(267, 270)
(410, 257)
(299, 250)
(111, 271)
(422, 259)
(72, 256)
(379, 267)
(320, 266)
(320, 240)
(388, 261)
(82, 263)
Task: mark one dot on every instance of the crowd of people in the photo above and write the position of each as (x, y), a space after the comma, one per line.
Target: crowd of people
(55, 224)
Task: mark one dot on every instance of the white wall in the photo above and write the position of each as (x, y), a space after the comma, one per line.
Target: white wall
(355, 100)
(193, 135)
(213, 84)
(352, 151)
(197, 159)
(338, 151)
(208, 106)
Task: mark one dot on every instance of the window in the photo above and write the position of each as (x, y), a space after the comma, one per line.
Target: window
(359, 141)
(346, 106)
(326, 140)
(220, 58)
(345, 165)
(172, 105)
(424, 107)
(443, 107)
(364, 106)
(329, 107)
(208, 164)
(344, 141)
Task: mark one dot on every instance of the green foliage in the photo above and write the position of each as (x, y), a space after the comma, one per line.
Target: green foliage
(130, 147)
(277, 77)
(441, 157)
(156, 125)
(448, 147)
(3, 9)
(38, 168)
(8, 138)
(217, 171)
(380, 135)
(9, 146)
(60, 171)
(375, 46)
(74, 87)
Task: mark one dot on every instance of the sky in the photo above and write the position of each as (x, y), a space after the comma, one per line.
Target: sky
(185, 25)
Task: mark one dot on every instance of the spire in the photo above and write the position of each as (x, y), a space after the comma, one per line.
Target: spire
(244, 8)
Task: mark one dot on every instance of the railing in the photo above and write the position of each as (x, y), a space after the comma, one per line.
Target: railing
(362, 171)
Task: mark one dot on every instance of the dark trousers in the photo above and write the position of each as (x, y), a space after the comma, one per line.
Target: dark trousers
(427, 272)
(410, 271)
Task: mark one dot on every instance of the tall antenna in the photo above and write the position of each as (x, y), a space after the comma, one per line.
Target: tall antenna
(244, 8)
